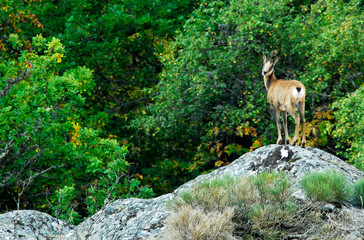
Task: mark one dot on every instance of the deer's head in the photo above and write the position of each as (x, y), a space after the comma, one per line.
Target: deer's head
(268, 63)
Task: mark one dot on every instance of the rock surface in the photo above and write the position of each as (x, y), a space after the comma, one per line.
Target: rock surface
(127, 219)
(143, 218)
(29, 224)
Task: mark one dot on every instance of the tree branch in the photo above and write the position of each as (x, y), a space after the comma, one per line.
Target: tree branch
(11, 82)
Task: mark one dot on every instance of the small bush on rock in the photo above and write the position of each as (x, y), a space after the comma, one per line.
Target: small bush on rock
(328, 186)
(275, 205)
(273, 187)
(358, 193)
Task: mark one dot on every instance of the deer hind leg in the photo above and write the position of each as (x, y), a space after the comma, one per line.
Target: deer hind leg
(278, 123)
(301, 110)
(286, 135)
(296, 131)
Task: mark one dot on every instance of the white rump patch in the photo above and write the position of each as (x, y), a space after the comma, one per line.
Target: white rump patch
(299, 94)
(284, 153)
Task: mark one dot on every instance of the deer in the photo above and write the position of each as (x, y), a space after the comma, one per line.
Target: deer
(285, 96)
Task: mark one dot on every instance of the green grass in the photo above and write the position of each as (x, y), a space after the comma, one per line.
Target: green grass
(328, 186)
(358, 193)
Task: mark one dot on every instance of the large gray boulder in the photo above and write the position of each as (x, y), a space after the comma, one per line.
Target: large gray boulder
(127, 219)
(30, 224)
(295, 160)
(143, 218)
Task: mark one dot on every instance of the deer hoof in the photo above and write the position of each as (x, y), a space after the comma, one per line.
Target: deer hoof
(293, 143)
(303, 144)
(280, 141)
(287, 141)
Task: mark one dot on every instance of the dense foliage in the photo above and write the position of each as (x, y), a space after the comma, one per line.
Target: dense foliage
(348, 128)
(211, 101)
(105, 99)
(46, 150)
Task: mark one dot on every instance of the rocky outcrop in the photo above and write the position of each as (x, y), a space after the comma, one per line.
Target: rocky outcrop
(29, 224)
(128, 219)
(295, 160)
(143, 218)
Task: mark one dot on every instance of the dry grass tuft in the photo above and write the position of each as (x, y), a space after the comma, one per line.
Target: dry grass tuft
(190, 223)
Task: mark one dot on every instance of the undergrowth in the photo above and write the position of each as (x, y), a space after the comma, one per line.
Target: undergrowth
(255, 206)
(262, 207)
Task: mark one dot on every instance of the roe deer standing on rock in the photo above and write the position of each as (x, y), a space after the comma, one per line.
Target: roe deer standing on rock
(286, 96)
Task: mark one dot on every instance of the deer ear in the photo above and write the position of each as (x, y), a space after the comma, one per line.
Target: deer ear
(264, 58)
(275, 60)
(274, 53)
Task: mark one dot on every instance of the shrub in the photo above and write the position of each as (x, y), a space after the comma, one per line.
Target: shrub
(358, 192)
(275, 204)
(66, 205)
(273, 187)
(347, 128)
(267, 219)
(328, 186)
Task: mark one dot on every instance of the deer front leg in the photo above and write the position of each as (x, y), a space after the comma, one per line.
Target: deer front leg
(286, 135)
(278, 123)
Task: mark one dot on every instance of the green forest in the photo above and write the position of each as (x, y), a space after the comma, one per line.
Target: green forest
(111, 99)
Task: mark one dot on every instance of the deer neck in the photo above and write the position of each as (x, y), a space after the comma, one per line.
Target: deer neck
(268, 80)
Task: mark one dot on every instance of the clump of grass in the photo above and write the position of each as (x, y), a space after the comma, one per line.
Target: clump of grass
(275, 206)
(272, 186)
(328, 186)
(261, 204)
(218, 194)
(194, 223)
(358, 193)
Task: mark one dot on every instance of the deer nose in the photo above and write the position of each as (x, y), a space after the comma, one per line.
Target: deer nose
(265, 72)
